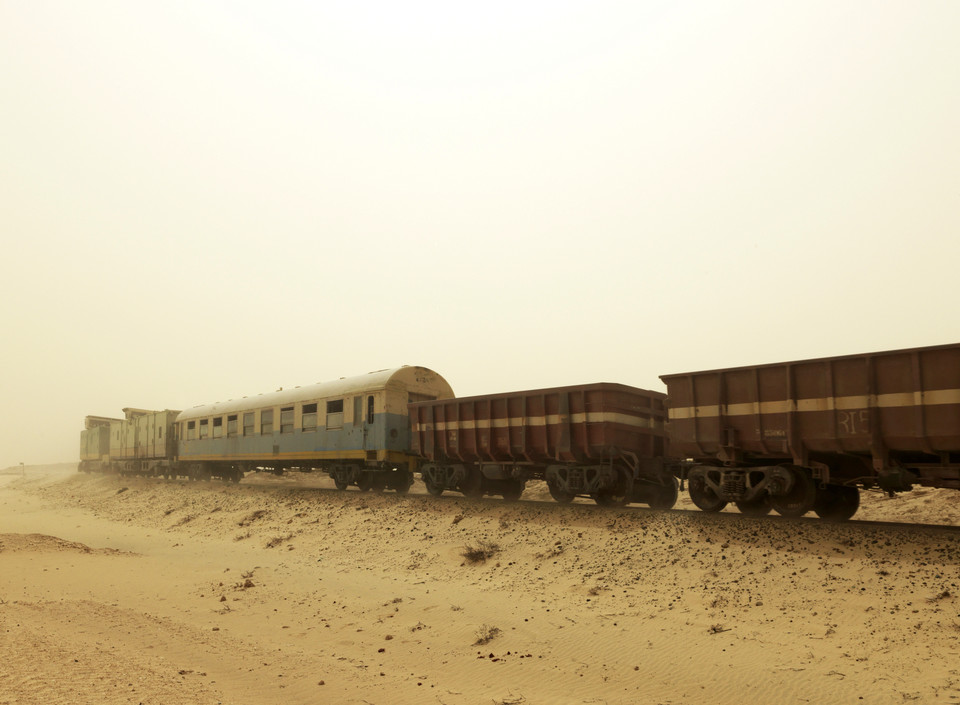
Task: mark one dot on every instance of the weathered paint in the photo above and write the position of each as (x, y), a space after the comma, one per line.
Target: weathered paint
(385, 439)
(899, 407)
(143, 435)
(563, 424)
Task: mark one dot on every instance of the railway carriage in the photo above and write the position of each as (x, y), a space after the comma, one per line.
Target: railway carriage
(142, 443)
(794, 436)
(805, 435)
(356, 429)
(95, 443)
(603, 441)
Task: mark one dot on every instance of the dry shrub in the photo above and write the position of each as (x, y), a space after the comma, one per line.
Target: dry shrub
(485, 634)
(480, 552)
(277, 540)
(251, 517)
(944, 595)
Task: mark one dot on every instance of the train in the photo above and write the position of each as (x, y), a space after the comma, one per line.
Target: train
(789, 437)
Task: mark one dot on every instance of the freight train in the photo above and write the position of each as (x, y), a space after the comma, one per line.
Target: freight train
(790, 437)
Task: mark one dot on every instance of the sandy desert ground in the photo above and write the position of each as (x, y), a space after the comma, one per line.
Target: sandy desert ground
(133, 590)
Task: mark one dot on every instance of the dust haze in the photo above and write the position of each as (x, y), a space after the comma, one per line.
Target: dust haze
(204, 201)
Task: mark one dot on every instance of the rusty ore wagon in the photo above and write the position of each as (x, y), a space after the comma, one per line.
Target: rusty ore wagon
(605, 441)
(806, 435)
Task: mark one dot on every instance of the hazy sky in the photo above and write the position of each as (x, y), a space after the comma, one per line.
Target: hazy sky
(201, 200)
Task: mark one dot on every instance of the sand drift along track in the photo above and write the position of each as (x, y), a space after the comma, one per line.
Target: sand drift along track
(130, 590)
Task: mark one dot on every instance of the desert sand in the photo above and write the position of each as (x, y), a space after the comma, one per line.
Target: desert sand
(283, 590)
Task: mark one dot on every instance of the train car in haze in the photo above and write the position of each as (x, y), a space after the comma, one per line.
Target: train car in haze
(603, 441)
(806, 435)
(95, 443)
(356, 429)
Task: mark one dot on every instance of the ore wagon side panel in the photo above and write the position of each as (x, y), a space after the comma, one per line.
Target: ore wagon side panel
(890, 408)
(567, 424)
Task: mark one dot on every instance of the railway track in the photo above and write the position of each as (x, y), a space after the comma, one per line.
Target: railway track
(539, 498)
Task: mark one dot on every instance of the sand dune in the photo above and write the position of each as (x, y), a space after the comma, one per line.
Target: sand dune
(129, 590)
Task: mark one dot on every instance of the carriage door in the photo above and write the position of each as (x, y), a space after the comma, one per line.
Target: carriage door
(369, 431)
(360, 428)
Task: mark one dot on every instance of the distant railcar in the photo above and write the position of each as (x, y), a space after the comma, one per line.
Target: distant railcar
(805, 435)
(143, 443)
(356, 429)
(95, 443)
(604, 441)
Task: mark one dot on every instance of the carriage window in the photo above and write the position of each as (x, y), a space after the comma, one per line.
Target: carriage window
(370, 409)
(218, 427)
(191, 430)
(204, 428)
(309, 417)
(266, 421)
(232, 426)
(357, 411)
(286, 420)
(335, 414)
(248, 424)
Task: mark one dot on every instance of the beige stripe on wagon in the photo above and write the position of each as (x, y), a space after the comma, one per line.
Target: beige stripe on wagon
(548, 420)
(933, 397)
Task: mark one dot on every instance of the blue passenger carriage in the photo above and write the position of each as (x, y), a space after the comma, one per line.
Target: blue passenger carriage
(357, 429)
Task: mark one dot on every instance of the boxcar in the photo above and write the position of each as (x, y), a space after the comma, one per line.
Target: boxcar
(143, 442)
(356, 429)
(95, 443)
(602, 440)
(805, 435)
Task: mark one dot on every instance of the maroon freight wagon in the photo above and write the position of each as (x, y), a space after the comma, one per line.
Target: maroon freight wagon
(599, 440)
(805, 435)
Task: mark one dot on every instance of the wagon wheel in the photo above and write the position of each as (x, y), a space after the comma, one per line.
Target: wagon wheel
(472, 483)
(366, 480)
(559, 495)
(340, 484)
(513, 489)
(402, 481)
(434, 488)
(837, 502)
(663, 496)
(618, 495)
(756, 507)
(801, 497)
(702, 495)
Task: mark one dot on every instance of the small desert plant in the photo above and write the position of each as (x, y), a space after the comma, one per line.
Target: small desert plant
(251, 517)
(277, 540)
(480, 552)
(945, 594)
(486, 634)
